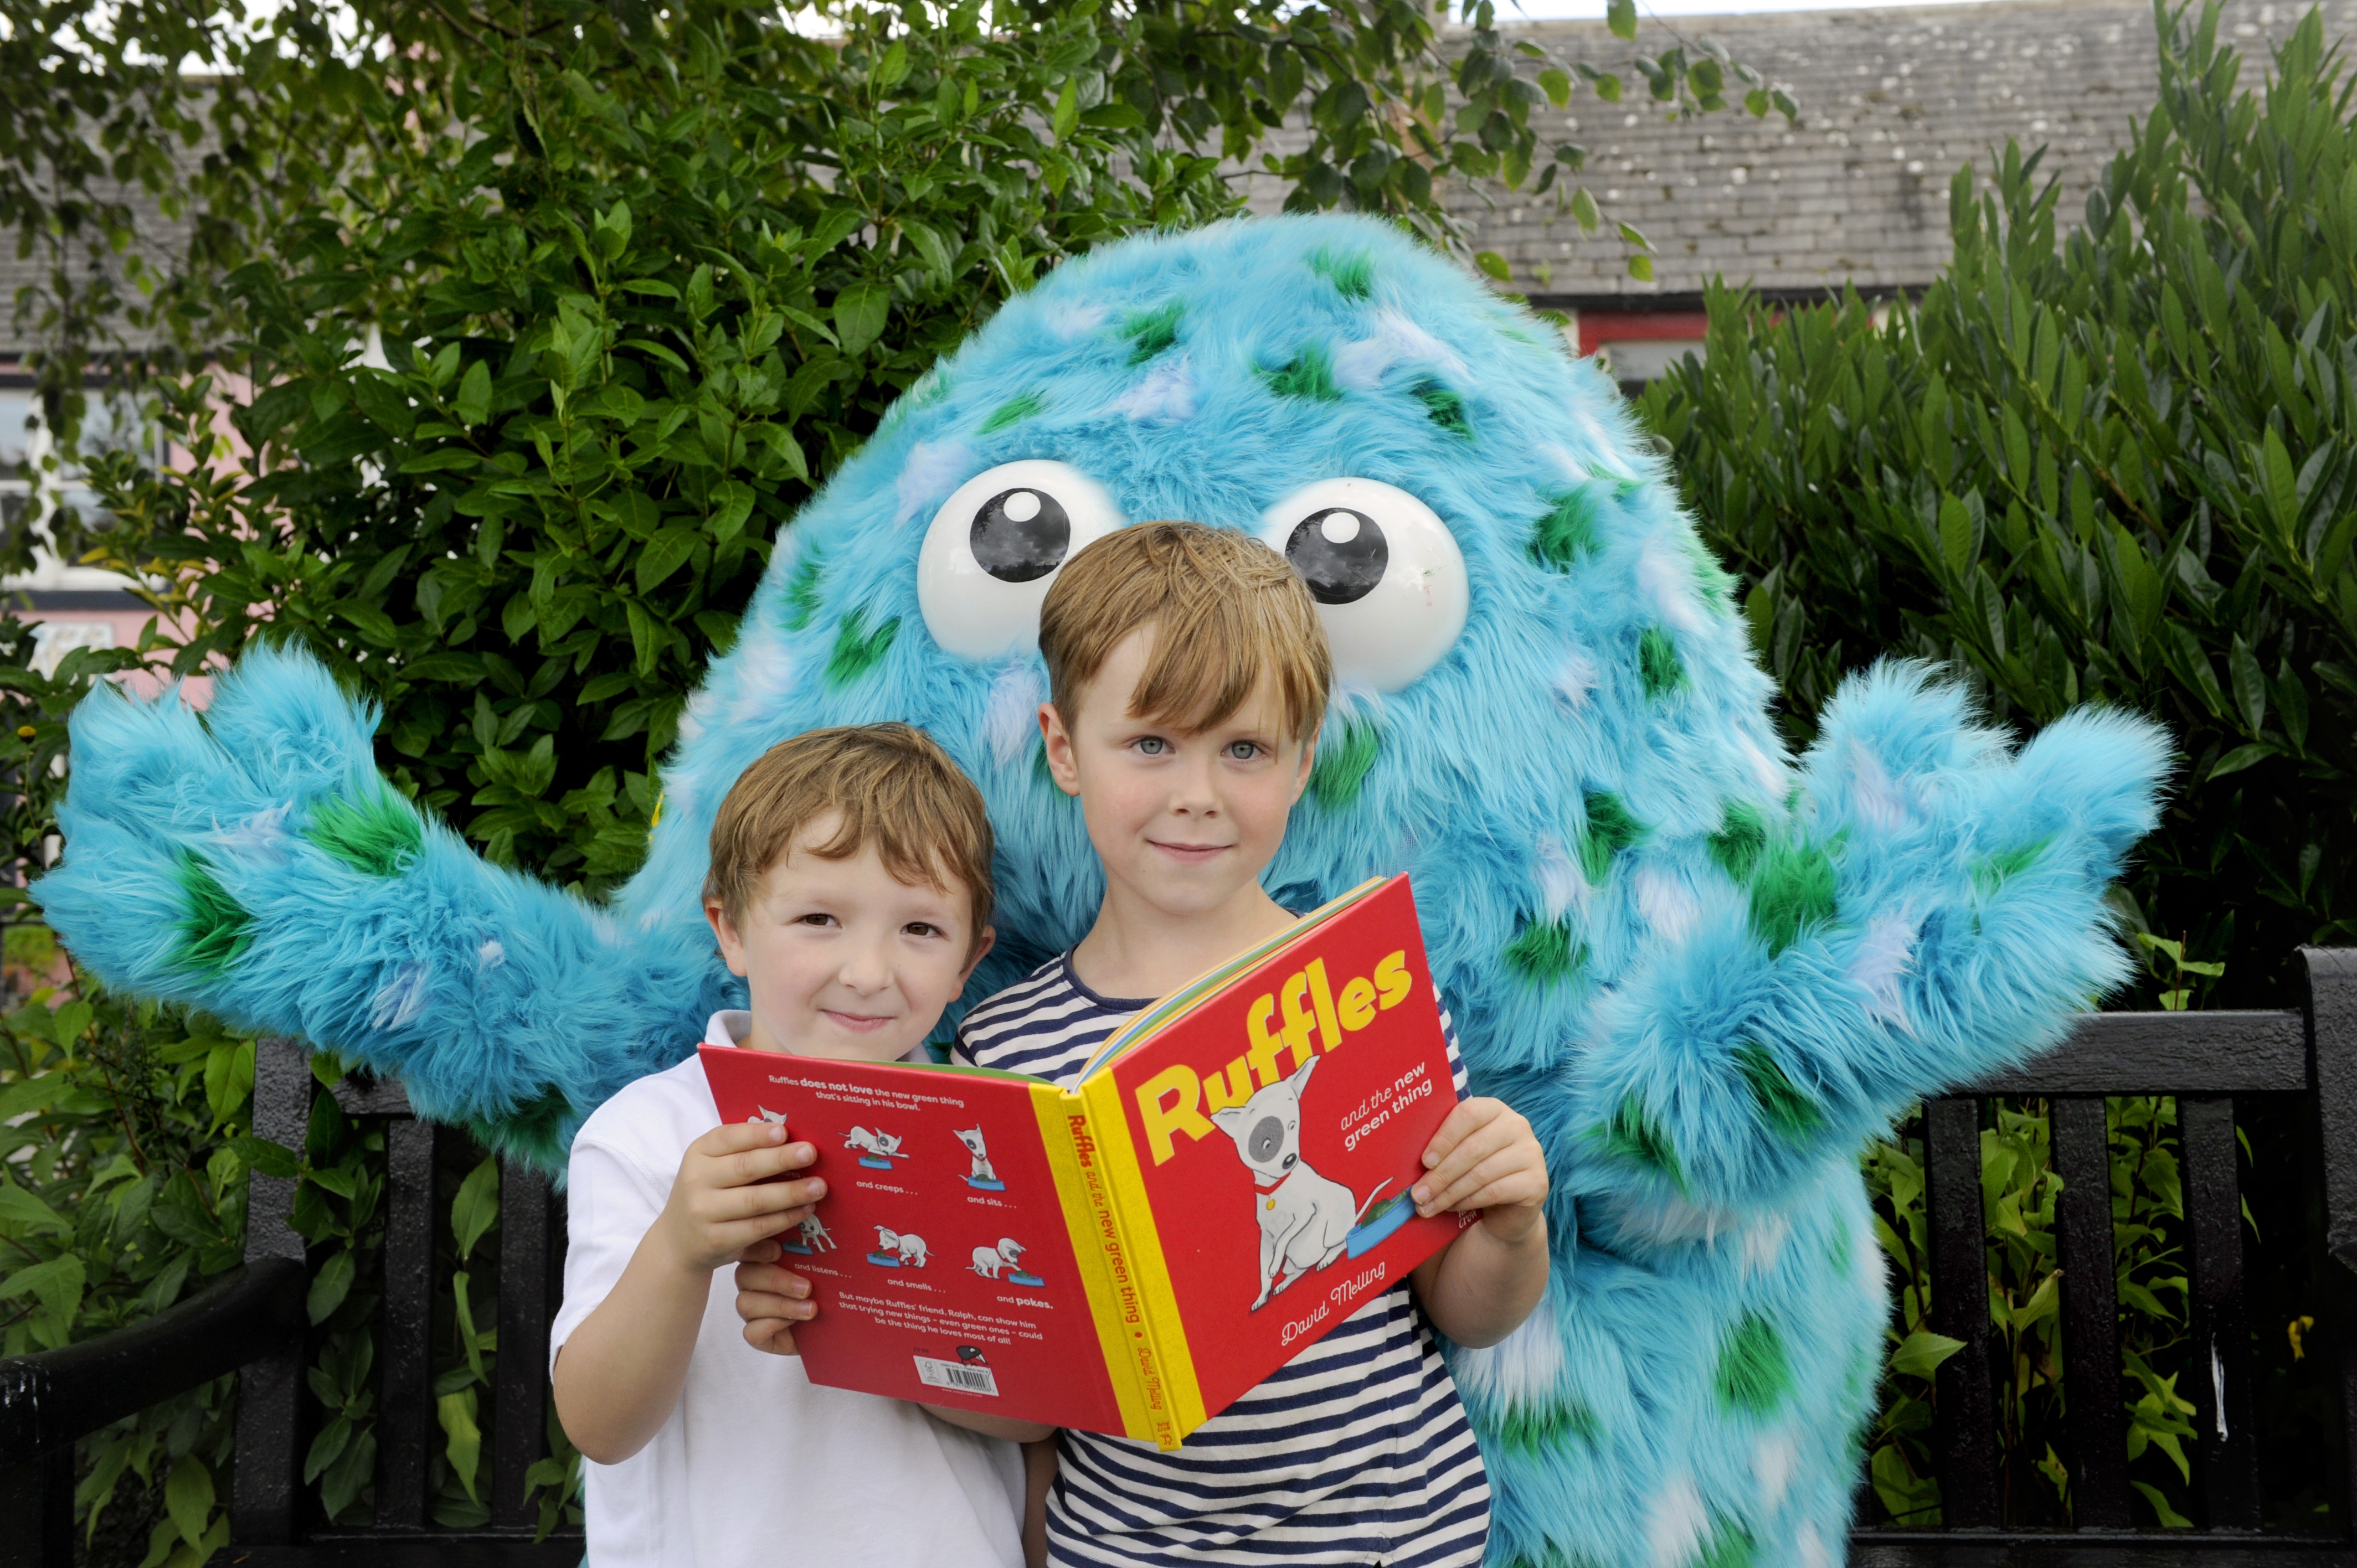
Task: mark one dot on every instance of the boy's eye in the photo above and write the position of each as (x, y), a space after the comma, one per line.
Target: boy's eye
(921, 928)
(1152, 745)
(1245, 750)
(815, 918)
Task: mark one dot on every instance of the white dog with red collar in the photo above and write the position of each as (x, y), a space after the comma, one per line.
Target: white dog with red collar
(1305, 1218)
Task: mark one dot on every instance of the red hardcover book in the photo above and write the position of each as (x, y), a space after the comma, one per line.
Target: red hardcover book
(1228, 1183)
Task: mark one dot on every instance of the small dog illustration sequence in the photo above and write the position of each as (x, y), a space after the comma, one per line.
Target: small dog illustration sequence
(774, 1118)
(1304, 1219)
(872, 1145)
(972, 1138)
(1007, 1254)
(900, 1247)
(814, 1234)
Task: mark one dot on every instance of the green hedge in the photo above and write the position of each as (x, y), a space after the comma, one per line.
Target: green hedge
(2113, 466)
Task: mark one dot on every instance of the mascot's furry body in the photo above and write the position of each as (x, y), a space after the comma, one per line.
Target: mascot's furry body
(1706, 973)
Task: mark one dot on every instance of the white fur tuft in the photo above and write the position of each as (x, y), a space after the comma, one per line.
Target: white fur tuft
(1165, 395)
(1773, 778)
(935, 468)
(1773, 1464)
(1575, 678)
(1876, 798)
(1882, 956)
(1360, 366)
(1676, 1525)
(400, 999)
(1561, 885)
(1668, 579)
(1668, 905)
(490, 955)
(1010, 720)
(1763, 1243)
(1808, 1548)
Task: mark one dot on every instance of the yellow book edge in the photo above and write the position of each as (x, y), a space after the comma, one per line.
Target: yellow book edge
(1083, 1189)
(1183, 1393)
(1204, 986)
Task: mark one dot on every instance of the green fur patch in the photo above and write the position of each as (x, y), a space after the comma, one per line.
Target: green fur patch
(1013, 410)
(856, 649)
(1150, 332)
(1792, 893)
(1729, 1546)
(1742, 835)
(1717, 587)
(1755, 1374)
(1444, 408)
(1659, 664)
(216, 930)
(1783, 1105)
(801, 590)
(1838, 1255)
(1991, 871)
(1610, 830)
(1537, 1434)
(1634, 1136)
(1346, 754)
(1352, 273)
(532, 1129)
(1310, 373)
(1565, 532)
(377, 836)
(1545, 953)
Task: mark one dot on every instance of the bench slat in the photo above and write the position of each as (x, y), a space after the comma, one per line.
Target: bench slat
(2091, 1336)
(405, 1395)
(2332, 1011)
(2219, 1381)
(522, 1371)
(1964, 1417)
(2168, 1053)
(264, 1484)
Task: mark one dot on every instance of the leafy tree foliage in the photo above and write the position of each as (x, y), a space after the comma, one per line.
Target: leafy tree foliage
(2115, 466)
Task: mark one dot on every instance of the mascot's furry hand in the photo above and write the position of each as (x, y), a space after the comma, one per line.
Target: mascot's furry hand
(1706, 976)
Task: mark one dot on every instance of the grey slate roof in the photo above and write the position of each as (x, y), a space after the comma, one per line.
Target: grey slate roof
(1892, 102)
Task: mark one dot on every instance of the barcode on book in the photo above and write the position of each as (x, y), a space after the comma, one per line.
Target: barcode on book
(956, 1375)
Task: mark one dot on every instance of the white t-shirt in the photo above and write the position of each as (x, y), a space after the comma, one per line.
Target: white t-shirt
(757, 1466)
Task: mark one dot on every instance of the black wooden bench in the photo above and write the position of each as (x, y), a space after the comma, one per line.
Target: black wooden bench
(254, 1320)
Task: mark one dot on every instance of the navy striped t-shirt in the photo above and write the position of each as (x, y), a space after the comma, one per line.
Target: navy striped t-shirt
(1356, 1451)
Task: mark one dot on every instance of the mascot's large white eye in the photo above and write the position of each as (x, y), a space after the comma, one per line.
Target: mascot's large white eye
(1385, 571)
(994, 548)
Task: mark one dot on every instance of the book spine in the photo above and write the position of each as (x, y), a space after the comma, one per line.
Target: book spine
(1170, 1368)
(1100, 1249)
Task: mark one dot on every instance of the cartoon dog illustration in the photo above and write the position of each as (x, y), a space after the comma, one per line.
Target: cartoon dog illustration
(877, 1145)
(972, 1138)
(1304, 1219)
(1007, 1254)
(774, 1118)
(814, 1234)
(907, 1246)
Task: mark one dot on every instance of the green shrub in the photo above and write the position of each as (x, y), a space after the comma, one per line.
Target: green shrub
(2115, 466)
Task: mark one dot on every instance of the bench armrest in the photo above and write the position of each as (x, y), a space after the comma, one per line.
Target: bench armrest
(50, 1399)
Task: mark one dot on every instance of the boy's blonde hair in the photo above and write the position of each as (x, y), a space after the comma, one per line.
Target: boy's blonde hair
(888, 785)
(1225, 608)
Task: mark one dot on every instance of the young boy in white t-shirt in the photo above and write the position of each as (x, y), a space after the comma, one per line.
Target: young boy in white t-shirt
(850, 886)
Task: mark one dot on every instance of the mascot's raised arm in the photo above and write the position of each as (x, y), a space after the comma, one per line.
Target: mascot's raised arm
(1708, 974)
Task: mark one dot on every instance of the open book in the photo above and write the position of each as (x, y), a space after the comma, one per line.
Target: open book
(1228, 1182)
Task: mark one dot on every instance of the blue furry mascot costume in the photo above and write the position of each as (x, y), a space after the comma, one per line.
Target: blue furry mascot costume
(1708, 973)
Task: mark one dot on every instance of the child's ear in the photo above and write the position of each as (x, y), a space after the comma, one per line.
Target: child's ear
(1057, 741)
(1308, 760)
(732, 946)
(982, 946)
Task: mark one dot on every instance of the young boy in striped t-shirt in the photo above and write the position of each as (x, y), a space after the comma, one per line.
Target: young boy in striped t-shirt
(1187, 674)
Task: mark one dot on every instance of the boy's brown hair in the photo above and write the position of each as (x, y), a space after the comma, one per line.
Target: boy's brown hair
(1225, 610)
(888, 785)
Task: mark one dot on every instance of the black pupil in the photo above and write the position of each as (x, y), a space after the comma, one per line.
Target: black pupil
(1341, 553)
(1268, 1137)
(1020, 535)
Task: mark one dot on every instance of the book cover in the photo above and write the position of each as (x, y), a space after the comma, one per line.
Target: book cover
(1228, 1183)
